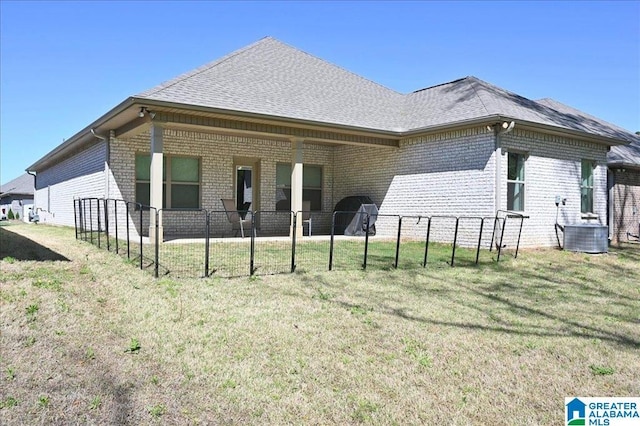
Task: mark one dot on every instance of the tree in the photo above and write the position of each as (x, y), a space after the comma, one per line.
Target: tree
(10, 215)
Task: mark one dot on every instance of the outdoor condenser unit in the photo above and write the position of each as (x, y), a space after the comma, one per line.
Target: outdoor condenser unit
(586, 238)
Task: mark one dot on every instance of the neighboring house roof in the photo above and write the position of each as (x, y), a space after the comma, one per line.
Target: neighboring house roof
(270, 80)
(22, 185)
(625, 156)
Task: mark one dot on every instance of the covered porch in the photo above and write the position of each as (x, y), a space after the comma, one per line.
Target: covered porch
(182, 160)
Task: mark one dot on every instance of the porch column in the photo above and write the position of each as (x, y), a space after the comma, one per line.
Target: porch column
(156, 180)
(296, 182)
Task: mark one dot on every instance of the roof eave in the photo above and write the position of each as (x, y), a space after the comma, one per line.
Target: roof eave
(623, 164)
(81, 137)
(563, 131)
(523, 124)
(481, 121)
(280, 119)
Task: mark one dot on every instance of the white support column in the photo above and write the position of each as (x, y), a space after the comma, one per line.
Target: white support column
(297, 155)
(156, 180)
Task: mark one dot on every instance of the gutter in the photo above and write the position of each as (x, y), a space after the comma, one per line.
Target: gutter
(82, 134)
(390, 134)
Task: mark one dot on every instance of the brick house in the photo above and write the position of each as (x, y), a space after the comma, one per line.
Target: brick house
(624, 192)
(292, 127)
(15, 195)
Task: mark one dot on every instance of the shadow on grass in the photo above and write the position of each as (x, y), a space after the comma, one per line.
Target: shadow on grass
(540, 300)
(22, 248)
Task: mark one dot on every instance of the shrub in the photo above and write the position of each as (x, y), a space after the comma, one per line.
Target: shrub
(10, 215)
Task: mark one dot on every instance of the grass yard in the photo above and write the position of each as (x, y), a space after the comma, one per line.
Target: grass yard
(88, 338)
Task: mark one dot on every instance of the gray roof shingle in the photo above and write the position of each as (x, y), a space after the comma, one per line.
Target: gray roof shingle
(273, 78)
(628, 155)
(23, 184)
(270, 77)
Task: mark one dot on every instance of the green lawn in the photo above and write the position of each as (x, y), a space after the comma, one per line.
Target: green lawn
(231, 258)
(89, 338)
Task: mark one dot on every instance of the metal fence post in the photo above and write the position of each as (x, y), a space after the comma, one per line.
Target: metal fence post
(293, 242)
(253, 246)
(519, 234)
(106, 223)
(493, 234)
(91, 220)
(157, 237)
(140, 205)
(333, 223)
(395, 265)
(207, 228)
(75, 218)
(455, 239)
(115, 218)
(126, 205)
(504, 225)
(366, 244)
(99, 223)
(426, 244)
(479, 239)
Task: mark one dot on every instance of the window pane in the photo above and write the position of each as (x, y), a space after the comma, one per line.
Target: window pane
(283, 199)
(143, 166)
(315, 197)
(516, 166)
(312, 176)
(143, 193)
(185, 196)
(283, 175)
(587, 173)
(586, 200)
(515, 196)
(185, 169)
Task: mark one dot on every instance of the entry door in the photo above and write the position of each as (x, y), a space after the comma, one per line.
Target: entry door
(245, 188)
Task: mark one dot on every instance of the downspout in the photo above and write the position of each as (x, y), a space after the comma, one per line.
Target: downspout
(106, 164)
(35, 191)
(498, 168)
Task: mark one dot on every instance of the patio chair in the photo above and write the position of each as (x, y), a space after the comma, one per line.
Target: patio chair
(238, 223)
(306, 215)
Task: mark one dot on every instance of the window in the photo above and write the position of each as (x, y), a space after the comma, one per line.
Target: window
(515, 182)
(311, 186)
(586, 187)
(180, 181)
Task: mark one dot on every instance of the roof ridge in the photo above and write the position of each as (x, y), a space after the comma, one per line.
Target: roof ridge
(470, 82)
(337, 66)
(199, 70)
(437, 85)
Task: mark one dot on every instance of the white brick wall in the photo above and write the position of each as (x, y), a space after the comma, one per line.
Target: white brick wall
(217, 154)
(81, 175)
(451, 173)
(553, 167)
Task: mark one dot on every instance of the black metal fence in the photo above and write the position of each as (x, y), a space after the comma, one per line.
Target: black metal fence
(202, 243)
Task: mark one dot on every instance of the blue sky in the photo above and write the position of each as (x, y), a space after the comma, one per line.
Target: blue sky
(64, 64)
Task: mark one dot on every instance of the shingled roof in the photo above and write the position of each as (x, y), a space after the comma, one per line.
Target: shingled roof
(275, 79)
(625, 156)
(272, 78)
(22, 185)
